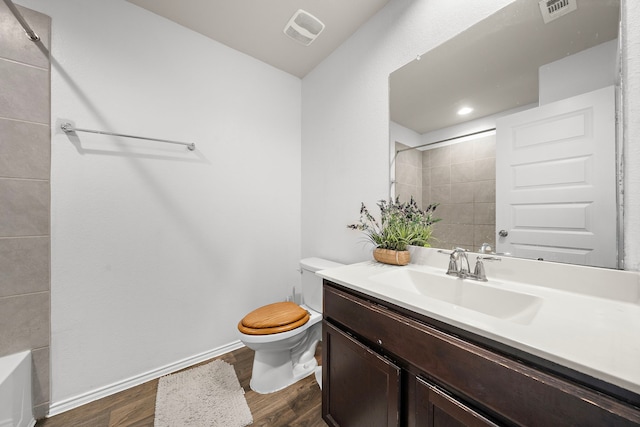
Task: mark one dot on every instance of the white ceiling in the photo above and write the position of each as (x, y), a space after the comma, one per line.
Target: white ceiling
(493, 65)
(255, 27)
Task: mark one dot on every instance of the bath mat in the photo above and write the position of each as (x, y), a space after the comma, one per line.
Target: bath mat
(208, 395)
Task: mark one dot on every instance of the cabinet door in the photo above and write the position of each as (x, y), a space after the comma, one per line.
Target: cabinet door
(359, 386)
(436, 408)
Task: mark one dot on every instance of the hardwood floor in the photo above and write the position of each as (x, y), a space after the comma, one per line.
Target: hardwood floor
(298, 405)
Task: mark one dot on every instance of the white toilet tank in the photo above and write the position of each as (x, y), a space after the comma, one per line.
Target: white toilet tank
(312, 284)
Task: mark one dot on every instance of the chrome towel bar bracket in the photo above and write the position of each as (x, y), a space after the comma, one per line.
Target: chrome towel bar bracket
(27, 29)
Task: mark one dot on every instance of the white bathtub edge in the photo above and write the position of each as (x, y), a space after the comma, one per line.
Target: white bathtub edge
(15, 381)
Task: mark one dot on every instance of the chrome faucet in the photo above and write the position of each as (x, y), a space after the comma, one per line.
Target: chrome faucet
(459, 265)
(457, 260)
(485, 248)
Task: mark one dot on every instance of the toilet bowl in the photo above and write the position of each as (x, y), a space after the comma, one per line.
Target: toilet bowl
(284, 336)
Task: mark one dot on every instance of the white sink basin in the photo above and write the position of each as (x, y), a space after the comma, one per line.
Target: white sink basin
(470, 294)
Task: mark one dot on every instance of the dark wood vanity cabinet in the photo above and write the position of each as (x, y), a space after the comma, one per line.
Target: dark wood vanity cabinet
(385, 366)
(434, 407)
(365, 386)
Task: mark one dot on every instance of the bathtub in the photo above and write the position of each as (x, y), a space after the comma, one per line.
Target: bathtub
(15, 391)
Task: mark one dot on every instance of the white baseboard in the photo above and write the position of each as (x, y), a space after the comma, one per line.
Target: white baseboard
(74, 402)
(11, 423)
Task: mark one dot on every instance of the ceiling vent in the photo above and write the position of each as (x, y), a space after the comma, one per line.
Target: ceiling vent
(554, 9)
(303, 27)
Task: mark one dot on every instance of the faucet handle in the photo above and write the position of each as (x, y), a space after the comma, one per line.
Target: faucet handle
(454, 251)
(453, 261)
(479, 272)
(489, 258)
(453, 266)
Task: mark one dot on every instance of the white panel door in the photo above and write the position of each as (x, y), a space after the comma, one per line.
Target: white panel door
(556, 181)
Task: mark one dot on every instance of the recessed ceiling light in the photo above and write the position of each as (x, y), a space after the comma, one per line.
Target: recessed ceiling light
(464, 111)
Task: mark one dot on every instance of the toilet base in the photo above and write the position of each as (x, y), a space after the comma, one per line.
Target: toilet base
(275, 367)
(319, 376)
(270, 374)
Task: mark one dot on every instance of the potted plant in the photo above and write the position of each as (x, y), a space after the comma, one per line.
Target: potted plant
(401, 224)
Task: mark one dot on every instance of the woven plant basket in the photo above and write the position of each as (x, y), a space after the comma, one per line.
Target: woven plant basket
(388, 256)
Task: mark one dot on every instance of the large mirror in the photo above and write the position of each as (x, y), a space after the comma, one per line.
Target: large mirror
(511, 127)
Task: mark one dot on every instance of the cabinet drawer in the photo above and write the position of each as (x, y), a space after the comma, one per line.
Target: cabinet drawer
(516, 393)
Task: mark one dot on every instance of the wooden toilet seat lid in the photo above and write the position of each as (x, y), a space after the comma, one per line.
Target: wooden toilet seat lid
(274, 318)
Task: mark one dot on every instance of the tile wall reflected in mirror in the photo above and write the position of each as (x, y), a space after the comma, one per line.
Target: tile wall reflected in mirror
(461, 178)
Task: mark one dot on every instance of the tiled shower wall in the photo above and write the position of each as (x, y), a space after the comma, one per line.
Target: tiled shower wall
(462, 179)
(25, 159)
(409, 175)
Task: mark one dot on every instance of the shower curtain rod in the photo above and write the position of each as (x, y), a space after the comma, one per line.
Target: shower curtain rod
(69, 128)
(445, 140)
(30, 33)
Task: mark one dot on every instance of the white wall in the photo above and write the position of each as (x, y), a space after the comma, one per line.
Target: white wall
(403, 135)
(158, 252)
(345, 120)
(566, 77)
(345, 128)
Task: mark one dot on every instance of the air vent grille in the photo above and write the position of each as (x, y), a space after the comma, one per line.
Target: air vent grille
(303, 27)
(554, 9)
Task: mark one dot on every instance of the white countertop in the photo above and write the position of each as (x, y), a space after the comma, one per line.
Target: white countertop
(594, 332)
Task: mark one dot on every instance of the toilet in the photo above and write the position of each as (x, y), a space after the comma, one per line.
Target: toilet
(284, 335)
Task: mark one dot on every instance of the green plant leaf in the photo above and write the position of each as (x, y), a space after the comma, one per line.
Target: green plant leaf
(401, 224)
